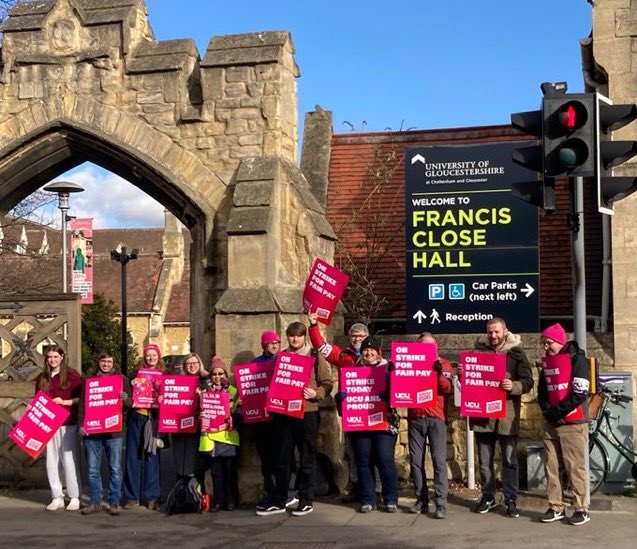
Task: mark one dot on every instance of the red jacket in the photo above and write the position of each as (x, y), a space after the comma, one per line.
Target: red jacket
(341, 358)
(73, 390)
(444, 390)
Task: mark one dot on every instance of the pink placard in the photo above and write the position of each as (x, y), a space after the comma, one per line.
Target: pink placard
(38, 425)
(253, 382)
(102, 404)
(178, 406)
(215, 408)
(557, 372)
(414, 383)
(323, 290)
(480, 391)
(363, 408)
(292, 373)
(146, 388)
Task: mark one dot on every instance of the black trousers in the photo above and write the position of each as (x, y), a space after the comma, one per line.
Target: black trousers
(263, 440)
(225, 482)
(291, 433)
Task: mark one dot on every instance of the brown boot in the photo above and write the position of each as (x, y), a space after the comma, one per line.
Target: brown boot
(91, 509)
(114, 509)
(130, 504)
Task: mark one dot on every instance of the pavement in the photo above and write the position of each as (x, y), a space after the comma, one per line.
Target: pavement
(24, 522)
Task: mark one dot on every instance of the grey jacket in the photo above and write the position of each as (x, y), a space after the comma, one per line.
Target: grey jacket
(519, 371)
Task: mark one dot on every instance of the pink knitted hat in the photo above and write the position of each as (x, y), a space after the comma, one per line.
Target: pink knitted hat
(152, 347)
(269, 337)
(556, 333)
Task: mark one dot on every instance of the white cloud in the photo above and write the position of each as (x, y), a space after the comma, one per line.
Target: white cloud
(112, 201)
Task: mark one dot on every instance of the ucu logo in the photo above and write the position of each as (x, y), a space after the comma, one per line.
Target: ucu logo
(276, 401)
(472, 405)
(403, 396)
(252, 412)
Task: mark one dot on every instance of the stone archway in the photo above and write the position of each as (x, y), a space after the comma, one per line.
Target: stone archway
(212, 139)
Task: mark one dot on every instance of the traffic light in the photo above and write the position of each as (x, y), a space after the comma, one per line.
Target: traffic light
(613, 153)
(540, 191)
(568, 134)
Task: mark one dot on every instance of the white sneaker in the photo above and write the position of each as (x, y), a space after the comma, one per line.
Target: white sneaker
(74, 505)
(55, 505)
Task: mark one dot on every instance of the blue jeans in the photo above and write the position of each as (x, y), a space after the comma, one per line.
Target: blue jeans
(380, 445)
(93, 451)
(141, 481)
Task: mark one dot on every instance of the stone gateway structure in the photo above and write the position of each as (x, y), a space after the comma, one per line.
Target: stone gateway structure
(214, 140)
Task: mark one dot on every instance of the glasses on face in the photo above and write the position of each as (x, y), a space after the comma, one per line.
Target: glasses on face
(192, 363)
(218, 374)
(547, 344)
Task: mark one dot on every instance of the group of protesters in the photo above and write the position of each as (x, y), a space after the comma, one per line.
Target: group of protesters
(280, 440)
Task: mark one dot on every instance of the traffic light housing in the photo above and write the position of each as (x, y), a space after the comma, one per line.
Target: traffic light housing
(568, 134)
(613, 153)
(540, 191)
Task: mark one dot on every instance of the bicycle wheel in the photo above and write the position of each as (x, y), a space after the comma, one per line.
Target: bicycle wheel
(597, 466)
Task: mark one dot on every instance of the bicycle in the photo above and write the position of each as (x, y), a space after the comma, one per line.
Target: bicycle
(602, 429)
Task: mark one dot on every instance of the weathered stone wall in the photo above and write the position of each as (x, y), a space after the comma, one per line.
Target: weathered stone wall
(614, 47)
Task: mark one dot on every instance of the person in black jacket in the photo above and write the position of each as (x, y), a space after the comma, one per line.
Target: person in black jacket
(562, 396)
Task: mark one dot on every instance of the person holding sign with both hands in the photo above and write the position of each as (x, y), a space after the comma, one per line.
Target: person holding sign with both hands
(111, 442)
(562, 393)
(377, 443)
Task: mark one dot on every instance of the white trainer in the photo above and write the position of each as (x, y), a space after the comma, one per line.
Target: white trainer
(74, 505)
(55, 505)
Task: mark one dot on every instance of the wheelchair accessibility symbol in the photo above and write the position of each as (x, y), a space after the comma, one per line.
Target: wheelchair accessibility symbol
(456, 291)
(436, 291)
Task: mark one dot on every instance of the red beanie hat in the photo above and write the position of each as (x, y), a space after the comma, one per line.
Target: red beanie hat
(556, 333)
(269, 337)
(217, 362)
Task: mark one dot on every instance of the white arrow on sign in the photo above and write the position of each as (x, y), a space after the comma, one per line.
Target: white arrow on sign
(527, 290)
(418, 158)
(419, 316)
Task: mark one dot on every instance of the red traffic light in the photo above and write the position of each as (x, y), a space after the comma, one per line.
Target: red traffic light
(572, 116)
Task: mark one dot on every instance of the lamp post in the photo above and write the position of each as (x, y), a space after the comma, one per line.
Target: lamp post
(64, 189)
(123, 257)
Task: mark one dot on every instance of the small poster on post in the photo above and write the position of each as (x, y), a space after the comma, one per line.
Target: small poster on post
(178, 405)
(323, 290)
(363, 408)
(146, 388)
(215, 409)
(253, 383)
(292, 373)
(38, 425)
(414, 383)
(102, 404)
(481, 395)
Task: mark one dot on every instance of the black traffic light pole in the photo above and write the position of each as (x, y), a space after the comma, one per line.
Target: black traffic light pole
(123, 257)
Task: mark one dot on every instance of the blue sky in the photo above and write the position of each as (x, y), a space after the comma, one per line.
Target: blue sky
(376, 65)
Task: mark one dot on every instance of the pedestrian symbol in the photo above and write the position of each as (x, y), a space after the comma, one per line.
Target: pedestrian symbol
(456, 291)
(435, 316)
(436, 291)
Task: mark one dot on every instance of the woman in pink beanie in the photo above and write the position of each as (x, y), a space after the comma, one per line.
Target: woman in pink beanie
(555, 333)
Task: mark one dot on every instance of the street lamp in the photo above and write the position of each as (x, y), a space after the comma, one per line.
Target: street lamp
(123, 257)
(64, 189)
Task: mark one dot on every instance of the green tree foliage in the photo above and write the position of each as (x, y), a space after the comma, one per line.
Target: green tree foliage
(102, 331)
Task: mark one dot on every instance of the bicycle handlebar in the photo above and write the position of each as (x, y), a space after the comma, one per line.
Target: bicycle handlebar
(616, 396)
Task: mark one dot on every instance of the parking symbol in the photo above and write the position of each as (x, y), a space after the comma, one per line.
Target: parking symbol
(456, 291)
(436, 291)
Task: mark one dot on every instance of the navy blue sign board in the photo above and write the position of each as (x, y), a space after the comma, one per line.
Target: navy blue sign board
(472, 246)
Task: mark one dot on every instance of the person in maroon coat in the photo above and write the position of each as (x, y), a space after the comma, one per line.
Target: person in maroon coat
(64, 386)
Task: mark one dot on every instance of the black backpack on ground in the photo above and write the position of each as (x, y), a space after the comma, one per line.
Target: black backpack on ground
(185, 497)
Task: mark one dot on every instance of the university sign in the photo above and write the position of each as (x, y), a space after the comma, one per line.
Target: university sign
(472, 247)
